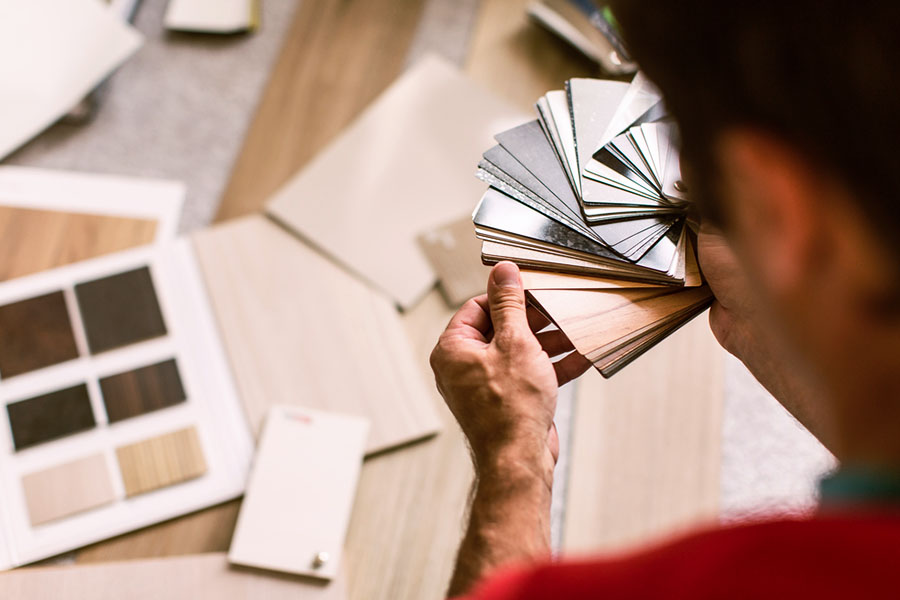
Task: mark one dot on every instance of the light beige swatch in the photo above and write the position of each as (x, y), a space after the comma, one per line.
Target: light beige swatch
(67, 489)
(405, 166)
(455, 255)
(300, 330)
(161, 461)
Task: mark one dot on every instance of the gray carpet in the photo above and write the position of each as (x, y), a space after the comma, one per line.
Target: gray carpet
(147, 124)
(770, 463)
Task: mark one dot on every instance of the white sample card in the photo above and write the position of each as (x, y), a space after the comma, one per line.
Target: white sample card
(212, 16)
(298, 502)
(52, 53)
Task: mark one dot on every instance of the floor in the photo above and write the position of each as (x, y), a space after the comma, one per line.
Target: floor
(681, 437)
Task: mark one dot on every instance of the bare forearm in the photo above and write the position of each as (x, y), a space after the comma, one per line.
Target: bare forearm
(509, 520)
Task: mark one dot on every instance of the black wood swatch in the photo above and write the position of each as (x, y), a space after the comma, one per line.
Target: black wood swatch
(120, 310)
(54, 415)
(143, 390)
(35, 333)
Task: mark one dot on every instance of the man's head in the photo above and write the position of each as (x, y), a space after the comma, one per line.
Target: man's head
(790, 120)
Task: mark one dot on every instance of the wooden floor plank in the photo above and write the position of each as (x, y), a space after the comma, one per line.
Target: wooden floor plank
(339, 55)
(205, 531)
(644, 461)
(517, 59)
(36, 240)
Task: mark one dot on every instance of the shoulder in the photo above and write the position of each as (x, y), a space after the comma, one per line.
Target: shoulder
(829, 557)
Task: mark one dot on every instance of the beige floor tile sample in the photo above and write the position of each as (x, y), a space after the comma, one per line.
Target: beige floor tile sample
(161, 461)
(179, 578)
(455, 255)
(300, 330)
(67, 489)
(404, 167)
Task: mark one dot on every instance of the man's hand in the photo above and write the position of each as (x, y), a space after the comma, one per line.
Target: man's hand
(496, 375)
(744, 330)
(497, 378)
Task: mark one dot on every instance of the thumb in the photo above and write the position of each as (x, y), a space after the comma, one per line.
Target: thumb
(506, 298)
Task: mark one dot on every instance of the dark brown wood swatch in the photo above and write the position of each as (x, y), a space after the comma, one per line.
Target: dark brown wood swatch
(120, 310)
(35, 333)
(142, 390)
(50, 416)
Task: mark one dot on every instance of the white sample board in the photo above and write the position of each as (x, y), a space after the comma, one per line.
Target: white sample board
(300, 494)
(156, 463)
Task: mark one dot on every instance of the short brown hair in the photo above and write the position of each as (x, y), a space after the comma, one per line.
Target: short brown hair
(822, 75)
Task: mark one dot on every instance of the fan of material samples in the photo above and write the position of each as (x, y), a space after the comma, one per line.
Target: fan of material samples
(588, 200)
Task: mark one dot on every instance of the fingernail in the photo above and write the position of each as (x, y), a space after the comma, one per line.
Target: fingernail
(506, 274)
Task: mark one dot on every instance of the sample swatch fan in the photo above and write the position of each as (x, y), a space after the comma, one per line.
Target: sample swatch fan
(588, 201)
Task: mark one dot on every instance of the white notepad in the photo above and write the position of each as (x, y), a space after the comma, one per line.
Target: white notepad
(298, 501)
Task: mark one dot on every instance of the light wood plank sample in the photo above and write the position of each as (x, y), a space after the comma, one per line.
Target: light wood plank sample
(67, 489)
(408, 516)
(161, 461)
(337, 57)
(546, 280)
(601, 323)
(404, 167)
(300, 330)
(36, 240)
(644, 460)
(208, 530)
(181, 578)
(519, 59)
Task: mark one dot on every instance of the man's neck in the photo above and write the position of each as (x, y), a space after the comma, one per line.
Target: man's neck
(866, 408)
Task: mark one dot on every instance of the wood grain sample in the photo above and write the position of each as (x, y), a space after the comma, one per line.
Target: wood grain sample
(67, 489)
(50, 416)
(545, 280)
(36, 240)
(338, 56)
(177, 578)
(119, 310)
(299, 330)
(142, 390)
(161, 461)
(613, 327)
(36, 333)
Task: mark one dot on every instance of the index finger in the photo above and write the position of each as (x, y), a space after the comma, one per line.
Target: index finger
(472, 320)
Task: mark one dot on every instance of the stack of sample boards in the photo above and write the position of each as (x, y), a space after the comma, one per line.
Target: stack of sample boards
(588, 200)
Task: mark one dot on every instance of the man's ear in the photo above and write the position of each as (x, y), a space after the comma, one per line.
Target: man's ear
(773, 207)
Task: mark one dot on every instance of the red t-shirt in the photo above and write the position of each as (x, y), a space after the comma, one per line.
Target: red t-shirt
(823, 557)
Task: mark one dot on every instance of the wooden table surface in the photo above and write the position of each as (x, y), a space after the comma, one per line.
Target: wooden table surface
(407, 519)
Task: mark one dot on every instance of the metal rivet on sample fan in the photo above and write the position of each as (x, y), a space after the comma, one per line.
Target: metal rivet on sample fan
(679, 186)
(320, 559)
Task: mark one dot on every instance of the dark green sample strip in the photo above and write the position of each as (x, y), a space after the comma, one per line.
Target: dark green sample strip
(50, 416)
(142, 390)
